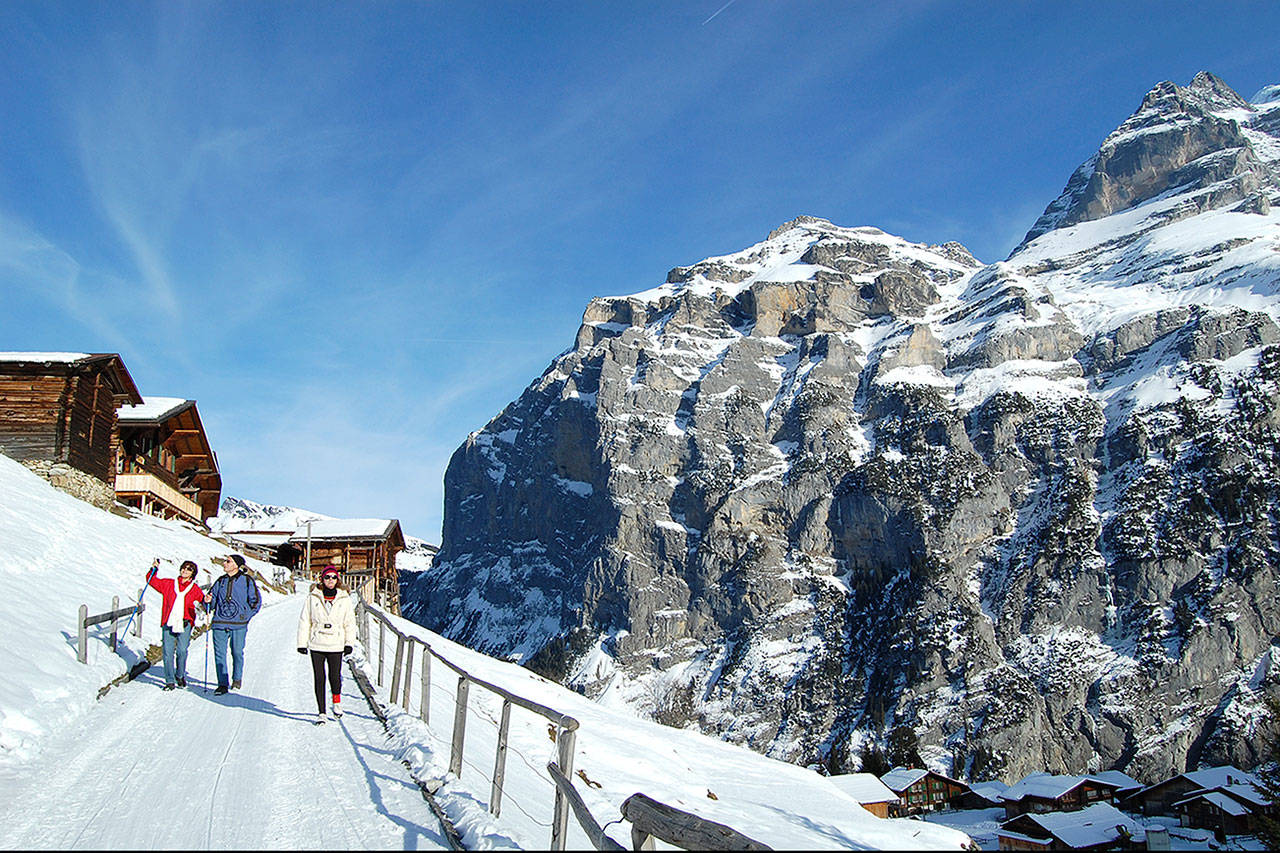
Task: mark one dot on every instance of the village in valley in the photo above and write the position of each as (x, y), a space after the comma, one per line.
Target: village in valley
(80, 421)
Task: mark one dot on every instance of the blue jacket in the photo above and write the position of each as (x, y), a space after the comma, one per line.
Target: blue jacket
(233, 601)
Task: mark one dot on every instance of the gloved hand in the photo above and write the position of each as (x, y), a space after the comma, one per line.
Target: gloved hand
(346, 651)
(302, 651)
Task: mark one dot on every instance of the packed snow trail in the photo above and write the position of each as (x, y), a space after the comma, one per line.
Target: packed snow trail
(249, 770)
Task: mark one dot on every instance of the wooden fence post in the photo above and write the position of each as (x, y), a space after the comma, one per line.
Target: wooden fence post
(115, 621)
(459, 728)
(82, 635)
(395, 671)
(500, 761)
(424, 707)
(566, 740)
(137, 615)
(408, 676)
(382, 642)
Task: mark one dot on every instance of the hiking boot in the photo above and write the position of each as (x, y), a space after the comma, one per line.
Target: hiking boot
(321, 719)
(337, 706)
(235, 685)
(221, 691)
(182, 682)
(167, 687)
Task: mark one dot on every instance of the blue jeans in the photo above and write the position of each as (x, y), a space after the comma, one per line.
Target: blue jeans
(169, 639)
(221, 638)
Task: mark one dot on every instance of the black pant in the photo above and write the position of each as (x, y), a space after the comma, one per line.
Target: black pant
(318, 661)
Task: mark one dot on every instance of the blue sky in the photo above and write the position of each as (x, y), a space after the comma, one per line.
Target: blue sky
(354, 232)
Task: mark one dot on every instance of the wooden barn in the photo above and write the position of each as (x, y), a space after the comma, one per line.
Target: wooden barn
(165, 465)
(60, 409)
(364, 549)
(867, 789)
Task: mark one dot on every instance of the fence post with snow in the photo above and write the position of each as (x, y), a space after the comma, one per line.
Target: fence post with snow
(84, 621)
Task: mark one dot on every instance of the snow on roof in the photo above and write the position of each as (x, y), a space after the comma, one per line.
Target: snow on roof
(1220, 800)
(152, 409)
(260, 537)
(1044, 785)
(990, 790)
(1098, 824)
(864, 787)
(43, 356)
(1115, 777)
(344, 528)
(901, 778)
(1218, 777)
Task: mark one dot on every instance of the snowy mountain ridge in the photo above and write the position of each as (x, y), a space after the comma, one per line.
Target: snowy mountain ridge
(839, 495)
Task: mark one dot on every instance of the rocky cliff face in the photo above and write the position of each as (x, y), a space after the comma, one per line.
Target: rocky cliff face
(840, 495)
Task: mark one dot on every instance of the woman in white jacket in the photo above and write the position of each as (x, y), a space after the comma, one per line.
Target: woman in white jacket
(327, 628)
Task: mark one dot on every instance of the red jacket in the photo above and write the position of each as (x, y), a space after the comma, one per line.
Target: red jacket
(167, 587)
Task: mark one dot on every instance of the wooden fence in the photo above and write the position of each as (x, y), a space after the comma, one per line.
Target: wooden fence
(114, 615)
(649, 818)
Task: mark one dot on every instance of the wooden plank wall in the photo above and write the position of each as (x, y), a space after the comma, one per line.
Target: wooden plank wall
(68, 419)
(33, 416)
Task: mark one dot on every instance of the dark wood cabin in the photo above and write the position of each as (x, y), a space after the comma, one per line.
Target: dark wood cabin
(61, 407)
(364, 549)
(165, 465)
(1097, 828)
(1042, 792)
(919, 790)
(1159, 799)
(1227, 810)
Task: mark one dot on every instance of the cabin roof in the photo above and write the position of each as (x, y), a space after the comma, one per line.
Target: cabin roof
(153, 410)
(125, 389)
(1097, 824)
(1219, 799)
(901, 778)
(863, 787)
(1052, 787)
(348, 529)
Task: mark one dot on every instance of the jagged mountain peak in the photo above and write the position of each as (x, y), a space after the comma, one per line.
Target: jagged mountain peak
(1194, 139)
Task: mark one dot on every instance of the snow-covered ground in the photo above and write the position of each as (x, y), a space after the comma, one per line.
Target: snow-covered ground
(145, 768)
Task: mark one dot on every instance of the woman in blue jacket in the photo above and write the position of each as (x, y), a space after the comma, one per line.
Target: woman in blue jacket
(233, 600)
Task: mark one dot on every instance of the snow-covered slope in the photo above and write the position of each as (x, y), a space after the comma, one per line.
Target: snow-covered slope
(56, 553)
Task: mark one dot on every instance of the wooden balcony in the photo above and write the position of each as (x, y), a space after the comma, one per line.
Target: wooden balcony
(152, 495)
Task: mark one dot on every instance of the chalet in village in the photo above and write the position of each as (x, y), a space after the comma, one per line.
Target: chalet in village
(867, 789)
(165, 465)
(920, 790)
(58, 417)
(363, 548)
(1043, 792)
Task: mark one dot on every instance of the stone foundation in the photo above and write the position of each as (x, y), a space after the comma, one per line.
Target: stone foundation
(74, 482)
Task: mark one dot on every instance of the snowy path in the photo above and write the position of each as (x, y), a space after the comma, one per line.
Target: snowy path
(186, 769)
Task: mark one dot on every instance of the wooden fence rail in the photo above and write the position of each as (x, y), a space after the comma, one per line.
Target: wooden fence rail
(649, 818)
(114, 615)
(402, 685)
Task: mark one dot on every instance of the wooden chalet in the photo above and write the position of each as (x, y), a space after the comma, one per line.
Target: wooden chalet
(1160, 798)
(364, 549)
(61, 408)
(1229, 809)
(165, 465)
(867, 789)
(1042, 792)
(919, 790)
(1099, 827)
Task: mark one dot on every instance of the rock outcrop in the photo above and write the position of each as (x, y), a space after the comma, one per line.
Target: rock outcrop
(846, 498)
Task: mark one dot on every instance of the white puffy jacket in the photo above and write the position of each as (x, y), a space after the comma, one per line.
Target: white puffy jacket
(326, 627)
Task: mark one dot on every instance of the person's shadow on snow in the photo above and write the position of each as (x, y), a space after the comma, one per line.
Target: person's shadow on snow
(233, 699)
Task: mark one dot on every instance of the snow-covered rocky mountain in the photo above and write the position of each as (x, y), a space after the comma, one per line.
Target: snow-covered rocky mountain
(240, 514)
(840, 494)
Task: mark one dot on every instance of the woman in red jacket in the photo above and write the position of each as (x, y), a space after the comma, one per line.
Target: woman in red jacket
(178, 612)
